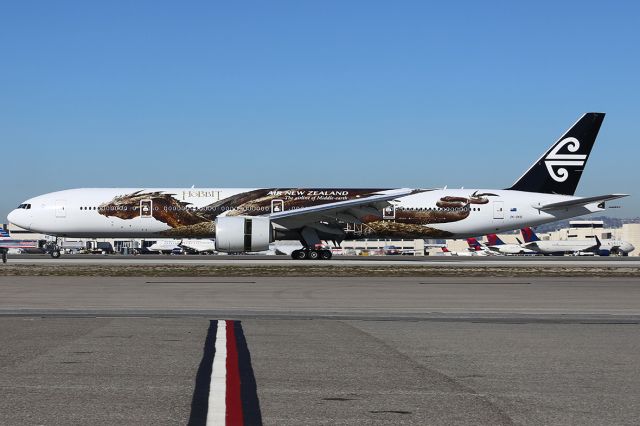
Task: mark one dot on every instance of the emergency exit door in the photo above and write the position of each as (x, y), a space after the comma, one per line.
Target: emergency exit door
(498, 209)
(60, 208)
(146, 207)
(277, 206)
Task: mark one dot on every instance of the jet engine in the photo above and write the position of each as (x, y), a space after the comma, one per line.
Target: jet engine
(243, 233)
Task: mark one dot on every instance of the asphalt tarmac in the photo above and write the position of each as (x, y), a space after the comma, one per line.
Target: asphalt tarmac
(87, 350)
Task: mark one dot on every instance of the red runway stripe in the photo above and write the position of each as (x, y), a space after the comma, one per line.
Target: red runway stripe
(233, 401)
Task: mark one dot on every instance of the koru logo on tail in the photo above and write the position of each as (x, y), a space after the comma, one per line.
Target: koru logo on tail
(556, 162)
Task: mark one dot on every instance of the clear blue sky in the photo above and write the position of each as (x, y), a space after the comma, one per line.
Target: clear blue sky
(312, 93)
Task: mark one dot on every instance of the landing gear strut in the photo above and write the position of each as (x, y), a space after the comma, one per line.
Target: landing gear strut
(309, 238)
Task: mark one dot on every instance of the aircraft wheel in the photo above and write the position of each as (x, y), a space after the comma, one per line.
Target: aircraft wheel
(313, 254)
(299, 254)
(55, 254)
(326, 254)
(4, 257)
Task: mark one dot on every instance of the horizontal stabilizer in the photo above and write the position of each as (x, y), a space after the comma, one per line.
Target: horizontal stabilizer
(580, 202)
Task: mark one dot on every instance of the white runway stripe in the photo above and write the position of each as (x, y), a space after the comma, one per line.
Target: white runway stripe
(217, 387)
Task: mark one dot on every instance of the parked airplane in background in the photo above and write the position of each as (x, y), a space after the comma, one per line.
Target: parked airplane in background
(7, 243)
(165, 246)
(478, 248)
(247, 220)
(199, 245)
(447, 252)
(560, 247)
(494, 243)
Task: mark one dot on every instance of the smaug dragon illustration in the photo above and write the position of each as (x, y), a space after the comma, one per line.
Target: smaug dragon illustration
(184, 219)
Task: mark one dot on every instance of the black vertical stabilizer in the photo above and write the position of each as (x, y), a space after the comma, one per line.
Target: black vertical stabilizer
(558, 171)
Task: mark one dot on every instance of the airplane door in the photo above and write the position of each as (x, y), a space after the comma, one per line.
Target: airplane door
(389, 212)
(146, 208)
(277, 206)
(60, 208)
(498, 209)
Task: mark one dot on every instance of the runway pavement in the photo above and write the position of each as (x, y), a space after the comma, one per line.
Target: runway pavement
(136, 350)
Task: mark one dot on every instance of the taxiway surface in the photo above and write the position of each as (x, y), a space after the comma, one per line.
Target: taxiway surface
(129, 350)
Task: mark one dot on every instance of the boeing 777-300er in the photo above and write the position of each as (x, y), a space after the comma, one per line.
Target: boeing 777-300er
(247, 220)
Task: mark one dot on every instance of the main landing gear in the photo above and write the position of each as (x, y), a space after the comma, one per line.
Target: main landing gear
(312, 247)
(306, 253)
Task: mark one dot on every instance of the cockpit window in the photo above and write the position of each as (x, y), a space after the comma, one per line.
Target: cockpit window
(24, 206)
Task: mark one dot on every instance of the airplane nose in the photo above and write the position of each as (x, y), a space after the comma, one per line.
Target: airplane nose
(17, 218)
(11, 217)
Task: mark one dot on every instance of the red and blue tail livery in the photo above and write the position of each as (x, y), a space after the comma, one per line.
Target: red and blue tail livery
(474, 244)
(494, 240)
(529, 235)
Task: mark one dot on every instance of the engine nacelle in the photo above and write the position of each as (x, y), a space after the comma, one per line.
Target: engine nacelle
(243, 233)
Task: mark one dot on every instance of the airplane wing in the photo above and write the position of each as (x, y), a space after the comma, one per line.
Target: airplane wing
(346, 210)
(580, 202)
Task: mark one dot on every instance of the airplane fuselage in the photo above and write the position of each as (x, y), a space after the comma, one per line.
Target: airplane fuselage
(190, 213)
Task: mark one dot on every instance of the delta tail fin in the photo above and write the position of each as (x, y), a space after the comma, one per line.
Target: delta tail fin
(474, 244)
(494, 240)
(559, 169)
(528, 235)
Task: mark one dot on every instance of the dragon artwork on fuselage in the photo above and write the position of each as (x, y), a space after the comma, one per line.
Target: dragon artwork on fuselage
(187, 220)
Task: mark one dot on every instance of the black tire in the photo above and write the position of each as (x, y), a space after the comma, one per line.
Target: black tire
(299, 254)
(55, 254)
(326, 254)
(4, 257)
(313, 254)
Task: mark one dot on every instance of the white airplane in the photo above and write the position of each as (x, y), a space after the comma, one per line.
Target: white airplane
(9, 244)
(494, 243)
(247, 220)
(446, 252)
(560, 247)
(165, 245)
(199, 245)
(479, 249)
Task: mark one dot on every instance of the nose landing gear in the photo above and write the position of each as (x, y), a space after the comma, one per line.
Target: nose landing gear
(53, 249)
